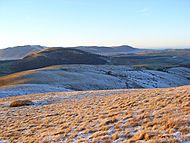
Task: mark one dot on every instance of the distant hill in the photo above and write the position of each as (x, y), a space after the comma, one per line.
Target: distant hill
(56, 56)
(18, 52)
(110, 51)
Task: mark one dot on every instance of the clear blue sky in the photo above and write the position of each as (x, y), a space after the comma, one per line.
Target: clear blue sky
(139, 23)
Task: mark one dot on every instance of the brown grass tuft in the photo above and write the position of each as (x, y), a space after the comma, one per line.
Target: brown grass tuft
(18, 103)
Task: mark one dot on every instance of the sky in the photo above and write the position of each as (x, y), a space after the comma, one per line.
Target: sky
(138, 23)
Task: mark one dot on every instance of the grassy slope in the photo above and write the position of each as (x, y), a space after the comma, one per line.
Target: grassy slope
(152, 115)
(93, 77)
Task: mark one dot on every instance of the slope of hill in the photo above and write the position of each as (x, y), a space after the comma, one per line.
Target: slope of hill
(89, 77)
(141, 115)
(19, 52)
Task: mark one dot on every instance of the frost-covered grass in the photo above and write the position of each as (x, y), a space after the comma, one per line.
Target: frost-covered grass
(23, 89)
(89, 77)
(144, 115)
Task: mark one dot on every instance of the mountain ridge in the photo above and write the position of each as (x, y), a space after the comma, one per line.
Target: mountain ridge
(18, 52)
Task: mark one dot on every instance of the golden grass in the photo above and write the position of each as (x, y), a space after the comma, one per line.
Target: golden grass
(150, 115)
(15, 78)
(19, 77)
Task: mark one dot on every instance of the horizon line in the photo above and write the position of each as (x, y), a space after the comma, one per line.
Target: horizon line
(167, 47)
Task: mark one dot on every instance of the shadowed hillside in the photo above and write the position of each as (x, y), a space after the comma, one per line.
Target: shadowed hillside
(53, 56)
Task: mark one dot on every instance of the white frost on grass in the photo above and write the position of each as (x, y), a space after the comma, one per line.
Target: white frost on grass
(94, 77)
(23, 89)
(181, 71)
(4, 141)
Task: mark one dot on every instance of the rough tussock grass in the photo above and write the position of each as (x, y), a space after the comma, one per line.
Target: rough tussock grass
(150, 115)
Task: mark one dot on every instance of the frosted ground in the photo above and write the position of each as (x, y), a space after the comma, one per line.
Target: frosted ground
(118, 116)
(91, 77)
